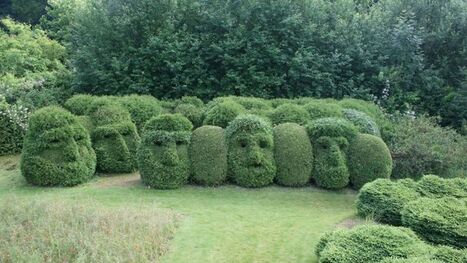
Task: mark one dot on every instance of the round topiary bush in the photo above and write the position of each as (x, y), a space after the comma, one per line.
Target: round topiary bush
(79, 104)
(320, 109)
(163, 159)
(250, 151)
(371, 243)
(331, 127)
(192, 100)
(208, 152)
(104, 112)
(441, 221)
(289, 113)
(293, 154)
(433, 186)
(222, 113)
(383, 200)
(57, 149)
(363, 106)
(368, 159)
(362, 121)
(141, 108)
(191, 112)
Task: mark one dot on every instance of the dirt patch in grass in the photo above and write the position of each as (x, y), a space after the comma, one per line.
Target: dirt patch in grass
(121, 180)
(351, 222)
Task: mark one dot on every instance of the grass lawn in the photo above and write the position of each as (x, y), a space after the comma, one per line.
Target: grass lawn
(222, 224)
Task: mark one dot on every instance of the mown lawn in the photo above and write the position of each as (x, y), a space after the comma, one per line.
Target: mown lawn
(223, 224)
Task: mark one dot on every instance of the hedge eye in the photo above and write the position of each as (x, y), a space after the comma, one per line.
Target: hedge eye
(54, 141)
(263, 144)
(179, 142)
(243, 143)
(157, 143)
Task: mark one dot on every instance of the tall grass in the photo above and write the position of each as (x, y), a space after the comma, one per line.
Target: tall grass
(57, 231)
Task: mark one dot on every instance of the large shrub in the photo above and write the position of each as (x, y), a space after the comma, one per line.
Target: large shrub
(441, 221)
(289, 113)
(163, 159)
(141, 108)
(57, 150)
(222, 113)
(370, 243)
(250, 151)
(191, 112)
(79, 104)
(368, 159)
(208, 153)
(13, 125)
(433, 186)
(384, 200)
(322, 109)
(293, 153)
(362, 121)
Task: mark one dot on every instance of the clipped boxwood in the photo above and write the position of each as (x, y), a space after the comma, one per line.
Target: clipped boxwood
(368, 159)
(320, 109)
(441, 221)
(384, 199)
(141, 108)
(371, 243)
(222, 113)
(57, 149)
(289, 113)
(192, 100)
(331, 127)
(250, 151)
(293, 154)
(448, 254)
(362, 121)
(163, 154)
(208, 152)
(191, 112)
(436, 187)
(79, 104)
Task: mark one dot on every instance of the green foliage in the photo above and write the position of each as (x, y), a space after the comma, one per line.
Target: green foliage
(163, 159)
(191, 112)
(250, 151)
(383, 200)
(371, 243)
(368, 159)
(433, 186)
(450, 255)
(193, 100)
(321, 109)
(79, 104)
(222, 113)
(441, 221)
(362, 121)
(13, 125)
(141, 108)
(331, 127)
(25, 11)
(293, 154)
(57, 150)
(289, 113)
(208, 153)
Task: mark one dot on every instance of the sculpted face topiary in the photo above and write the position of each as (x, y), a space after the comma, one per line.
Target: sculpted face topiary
(57, 150)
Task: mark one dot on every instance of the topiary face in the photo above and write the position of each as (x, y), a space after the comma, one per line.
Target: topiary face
(57, 150)
(250, 151)
(163, 155)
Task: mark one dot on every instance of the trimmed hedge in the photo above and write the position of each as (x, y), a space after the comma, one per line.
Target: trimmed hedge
(441, 221)
(319, 109)
(289, 113)
(163, 154)
(141, 108)
(447, 254)
(436, 187)
(222, 113)
(192, 112)
(383, 200)
(79, 104)
(331, 127)
(192, 100)
(250, 151)
(57, 149)
(368, 159)
(208, 152)
(370, 243)
(293, 154)
(362, 121)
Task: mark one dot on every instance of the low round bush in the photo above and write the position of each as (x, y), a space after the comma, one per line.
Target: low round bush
(79, 104)
(384, 200)
(57, 149)
(163, 159)
(424, 259)
(141, 108)
(222, 113)
(363, 106)
(250, 151)
(363, 122)
(293, 154)
(208, 152)
(371, 243)
(104, 111)
(320, 109)
(191, 112)
(192, 100)
(368, 159)
(289, 113)
(433, 186)
(441, 221)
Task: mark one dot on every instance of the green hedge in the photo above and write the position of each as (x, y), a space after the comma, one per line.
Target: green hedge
(289, 113)
(163, 159)
(191, 112)
(441, 221)
(362, 121)
(448, 254)
(320, 109)
(222, 113)
(368, 159)
(13, 125)
(293, 154)
(79, 104)
(383, 200)
(436, 187)
(250, 151)
(208, 152)
(57, 149)
(141, 108)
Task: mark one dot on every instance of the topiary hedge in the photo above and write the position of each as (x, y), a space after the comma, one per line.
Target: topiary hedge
(141, 108)
(289, 113)
(436, 187)
(208, 152)
(383, 200)
(191, 112)
(362, 121)
(448, 254)
(441, 221)
(79, 104)
(222, 113)
(57, 149)
(163, 159)
(293, 154)
(250, 151)
(368, 159)
(319, 109)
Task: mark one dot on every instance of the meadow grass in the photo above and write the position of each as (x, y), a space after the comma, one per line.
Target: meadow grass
(215, 224)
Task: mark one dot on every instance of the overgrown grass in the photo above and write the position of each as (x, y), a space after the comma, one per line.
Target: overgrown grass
(217, 224)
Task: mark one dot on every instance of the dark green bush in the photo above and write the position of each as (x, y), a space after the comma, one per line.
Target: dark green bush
(79, 104)
(321, 109)
(13, 125)
(193, 100)
(384, 199)
(293, 154)
(289, 113)
(447, 254)
(57, 150)
(141, 108)
(208, 153)
(222, 113)
(424, 259)
(441, 221)
(250, 151)
(362, 121)
(368, 159)
(433, 186)
(191, 112)
(370, 243)
(163, 159)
